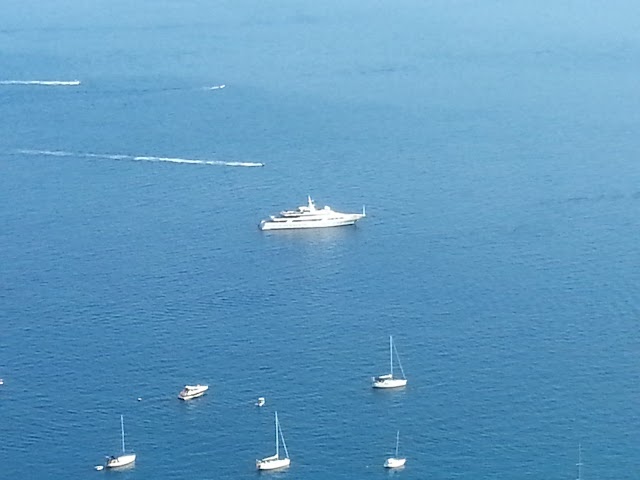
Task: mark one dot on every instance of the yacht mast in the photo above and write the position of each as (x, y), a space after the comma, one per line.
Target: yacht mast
(391, 353)
(277, 439)
(122, 429)
(579, 464)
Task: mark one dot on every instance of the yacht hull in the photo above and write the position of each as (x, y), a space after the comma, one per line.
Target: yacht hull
(190, 397)
(299, 225)
(190, 394)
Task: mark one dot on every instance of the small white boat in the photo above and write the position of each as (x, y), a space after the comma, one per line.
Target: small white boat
(274, 462)
(1, 382)
(192, 391)
(123, 460)
(388, 380)
(308, 216)
(261, 401)
(395, 462)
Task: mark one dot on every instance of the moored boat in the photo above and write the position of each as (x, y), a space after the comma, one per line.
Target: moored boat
(116, 461)
(192, 391)
(308, 216)
(395, 462)
(274, 462)
(389, 380)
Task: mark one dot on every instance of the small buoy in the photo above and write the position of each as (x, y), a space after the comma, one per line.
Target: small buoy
(99, 467)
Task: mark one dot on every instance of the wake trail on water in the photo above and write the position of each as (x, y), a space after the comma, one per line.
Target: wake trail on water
(47, 83)
(138, 158)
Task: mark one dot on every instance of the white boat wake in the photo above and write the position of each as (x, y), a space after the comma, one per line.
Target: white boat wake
(138, 158)
(48, 83)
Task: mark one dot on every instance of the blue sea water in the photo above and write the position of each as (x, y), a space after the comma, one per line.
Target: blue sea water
(495, 145)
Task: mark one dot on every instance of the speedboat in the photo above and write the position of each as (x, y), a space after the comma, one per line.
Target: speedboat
(308, 216)
(192, 391)
(261, 401)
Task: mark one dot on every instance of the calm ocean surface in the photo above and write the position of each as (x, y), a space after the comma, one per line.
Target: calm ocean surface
(496, 147)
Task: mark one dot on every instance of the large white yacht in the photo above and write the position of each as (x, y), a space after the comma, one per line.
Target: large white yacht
(308, 216)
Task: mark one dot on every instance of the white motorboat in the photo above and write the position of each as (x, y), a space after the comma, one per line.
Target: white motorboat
(388, 380)
(261, 401)
(395, 462)
(192, 391)
(273, 462)
(123, 460)
(308, 216)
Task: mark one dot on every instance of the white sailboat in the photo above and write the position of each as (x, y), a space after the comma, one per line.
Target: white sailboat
(124, 459)
(395, 462)
(388, 380)
(274, 461)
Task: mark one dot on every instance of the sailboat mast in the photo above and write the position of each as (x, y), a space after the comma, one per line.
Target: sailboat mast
(122, 430)
(579, 464)
(277, 438)
(391, 354)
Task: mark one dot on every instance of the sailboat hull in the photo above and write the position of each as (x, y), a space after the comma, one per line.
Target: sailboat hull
(273, 464)
(389, 382)
(395, 462)
(121, 461)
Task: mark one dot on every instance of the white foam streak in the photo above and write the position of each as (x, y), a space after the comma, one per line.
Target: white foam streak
(139, 158)
(48, 83)
(52, 153)
(172, 160)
